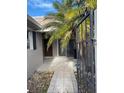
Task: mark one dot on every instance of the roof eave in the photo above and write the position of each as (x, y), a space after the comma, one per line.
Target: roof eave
(34, 21)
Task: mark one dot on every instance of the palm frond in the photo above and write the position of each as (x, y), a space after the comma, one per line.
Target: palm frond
(60, 32)
(66, 18)
(74, 12)
(55, 16)
(68, 3)
(92, 4)
(57, 5)
(60, 7)
(65, 39)
(52, 24)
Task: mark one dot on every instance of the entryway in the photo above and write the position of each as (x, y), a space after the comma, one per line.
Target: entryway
(46, 52)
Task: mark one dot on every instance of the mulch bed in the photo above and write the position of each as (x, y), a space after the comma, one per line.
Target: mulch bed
(39, 82)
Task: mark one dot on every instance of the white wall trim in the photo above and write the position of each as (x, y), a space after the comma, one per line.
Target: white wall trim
(31, 39)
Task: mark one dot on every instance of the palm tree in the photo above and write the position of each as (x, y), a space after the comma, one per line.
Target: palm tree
(68, 15)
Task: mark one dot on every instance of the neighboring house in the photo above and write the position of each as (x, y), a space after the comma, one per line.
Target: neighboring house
(37, 45)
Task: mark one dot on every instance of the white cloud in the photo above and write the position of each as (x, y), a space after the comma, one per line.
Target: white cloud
(40, 4)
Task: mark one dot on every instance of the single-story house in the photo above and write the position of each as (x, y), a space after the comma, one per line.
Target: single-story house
(37, 45)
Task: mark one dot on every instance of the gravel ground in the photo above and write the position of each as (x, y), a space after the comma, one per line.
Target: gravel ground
(39, 82)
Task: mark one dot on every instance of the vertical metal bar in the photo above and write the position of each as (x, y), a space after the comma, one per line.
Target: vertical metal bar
(77, 46)
(91, 51)
(86, 56)
(95, 46)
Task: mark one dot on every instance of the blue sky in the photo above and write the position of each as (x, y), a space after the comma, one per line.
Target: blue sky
(40, 7)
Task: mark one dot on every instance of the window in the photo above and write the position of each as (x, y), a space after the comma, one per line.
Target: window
(31, 40)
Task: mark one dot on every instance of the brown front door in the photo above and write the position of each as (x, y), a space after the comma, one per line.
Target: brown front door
(48, 52)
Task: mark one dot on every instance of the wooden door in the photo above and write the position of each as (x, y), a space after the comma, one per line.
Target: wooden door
(48, 52)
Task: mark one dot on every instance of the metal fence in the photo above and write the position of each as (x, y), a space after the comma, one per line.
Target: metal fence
(86, 74)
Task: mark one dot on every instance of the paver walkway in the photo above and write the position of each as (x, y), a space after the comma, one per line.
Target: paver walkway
(63, 80)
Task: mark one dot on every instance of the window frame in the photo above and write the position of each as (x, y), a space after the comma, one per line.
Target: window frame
(31, 39)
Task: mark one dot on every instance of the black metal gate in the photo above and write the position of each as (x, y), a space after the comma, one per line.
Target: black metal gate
(86, 75)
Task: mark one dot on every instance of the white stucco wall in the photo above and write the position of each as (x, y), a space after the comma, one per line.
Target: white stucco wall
(35, 57)
(55, 46)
